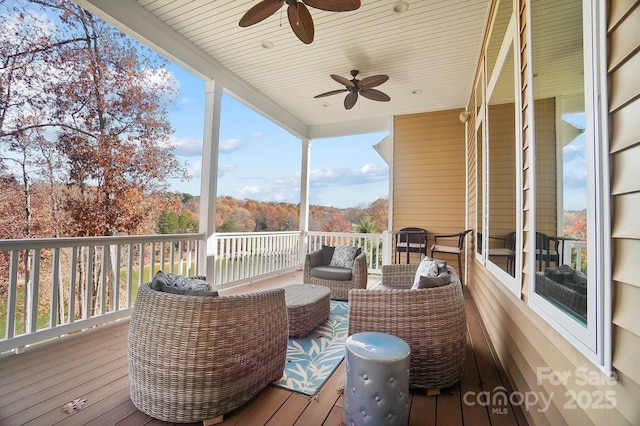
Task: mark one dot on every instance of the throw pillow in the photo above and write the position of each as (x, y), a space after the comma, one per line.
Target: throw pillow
(431, 282)
(327, 254)
(160, 279)
(185, 292)
(188, 283)
(428, 268)
(442, 266)
(343, 256)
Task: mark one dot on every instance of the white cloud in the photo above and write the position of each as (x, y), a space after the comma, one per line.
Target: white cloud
(195, 169)
(225, 167)
(367, 173)
(372, 169)
(230, 145)
(251, 190)
(287, 188)
(186, 147)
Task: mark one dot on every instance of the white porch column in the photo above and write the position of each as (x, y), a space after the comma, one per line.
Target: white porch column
(304, 198)
(209, 179)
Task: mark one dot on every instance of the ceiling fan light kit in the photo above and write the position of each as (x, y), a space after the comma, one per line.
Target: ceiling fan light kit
(355, 87)
(297, 13)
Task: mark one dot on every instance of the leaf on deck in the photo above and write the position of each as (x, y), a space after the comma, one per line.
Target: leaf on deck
(74, 405)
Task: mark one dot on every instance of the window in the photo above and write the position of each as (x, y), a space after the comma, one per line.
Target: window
(498, 156)
(568, 287)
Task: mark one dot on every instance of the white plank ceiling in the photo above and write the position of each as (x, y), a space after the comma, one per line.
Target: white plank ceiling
(433, 48)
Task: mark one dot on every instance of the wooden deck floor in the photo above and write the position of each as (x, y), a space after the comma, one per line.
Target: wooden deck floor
(36, 385)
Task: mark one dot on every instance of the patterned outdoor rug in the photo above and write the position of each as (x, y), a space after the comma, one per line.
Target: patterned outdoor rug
(311, 360)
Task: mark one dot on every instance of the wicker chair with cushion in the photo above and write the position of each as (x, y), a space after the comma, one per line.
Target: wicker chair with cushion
(195, 358)
(319, 271)
(431, 320)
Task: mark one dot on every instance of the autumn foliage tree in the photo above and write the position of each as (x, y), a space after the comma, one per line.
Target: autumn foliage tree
(83, 110)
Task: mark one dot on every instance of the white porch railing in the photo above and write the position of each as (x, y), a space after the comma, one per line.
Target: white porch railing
(575, 253)
(243, 256)
(52, 287)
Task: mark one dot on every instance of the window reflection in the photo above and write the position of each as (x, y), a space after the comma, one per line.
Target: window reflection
(479, 186)
(498, 33)
(561, 160)
(502, 165)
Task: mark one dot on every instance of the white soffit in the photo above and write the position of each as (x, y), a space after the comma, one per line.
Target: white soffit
(434, 47)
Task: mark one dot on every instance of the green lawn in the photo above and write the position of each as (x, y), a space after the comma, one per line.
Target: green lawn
(147, 275)
(43, 316)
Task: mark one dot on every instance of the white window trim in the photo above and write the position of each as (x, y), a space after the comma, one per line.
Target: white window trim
(594, 341)
(509, 44)
(480, 167)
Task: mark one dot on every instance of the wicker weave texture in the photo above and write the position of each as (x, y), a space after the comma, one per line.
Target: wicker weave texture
(307, 306)
(339, 289)
(432, 321)
(195, 358)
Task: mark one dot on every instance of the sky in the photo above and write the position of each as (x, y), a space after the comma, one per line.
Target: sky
(261, 161)
(574, 164)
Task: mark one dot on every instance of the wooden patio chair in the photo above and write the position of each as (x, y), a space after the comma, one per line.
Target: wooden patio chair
(411, 240)
(546, 250)
(450, 249)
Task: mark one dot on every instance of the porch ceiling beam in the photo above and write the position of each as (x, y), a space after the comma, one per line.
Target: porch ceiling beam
(368, 125)
(133, 19)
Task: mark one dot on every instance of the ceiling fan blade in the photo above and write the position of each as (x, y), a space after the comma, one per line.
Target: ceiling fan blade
(344, 81)
(333, 92)
(373, 81)
(260, 11)
(350, 100)
(375, 95)
(334, 5)
(301, 22)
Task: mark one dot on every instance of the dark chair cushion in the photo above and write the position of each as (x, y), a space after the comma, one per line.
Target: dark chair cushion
(430, 282)
(333, 273)
(327, 254)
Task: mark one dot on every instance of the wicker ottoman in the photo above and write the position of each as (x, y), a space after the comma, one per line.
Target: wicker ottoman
(307, 306)
(376, 389)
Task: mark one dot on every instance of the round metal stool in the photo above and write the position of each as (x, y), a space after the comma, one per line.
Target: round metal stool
(376, 390)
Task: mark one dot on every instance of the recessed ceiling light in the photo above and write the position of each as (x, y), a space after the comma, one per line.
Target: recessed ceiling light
(266, 44)
(400, 7)
(417, 91)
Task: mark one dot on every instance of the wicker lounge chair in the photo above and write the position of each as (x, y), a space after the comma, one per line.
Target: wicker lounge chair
(431, 320)
(195, 358)
(356, 277)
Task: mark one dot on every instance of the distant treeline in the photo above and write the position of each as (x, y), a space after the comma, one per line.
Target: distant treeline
(247, 215)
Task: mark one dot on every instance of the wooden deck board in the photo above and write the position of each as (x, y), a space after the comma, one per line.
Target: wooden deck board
(35, 385)
(422, 411)
(491, 377)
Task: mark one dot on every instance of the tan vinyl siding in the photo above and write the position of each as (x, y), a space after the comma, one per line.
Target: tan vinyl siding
(429, 172)
(624, 107)
(502, 182)
(524, 341)
(546, 167)
(625, 126)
